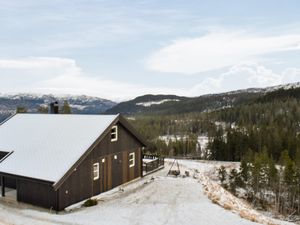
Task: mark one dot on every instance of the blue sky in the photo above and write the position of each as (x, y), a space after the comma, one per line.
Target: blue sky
(121, 49)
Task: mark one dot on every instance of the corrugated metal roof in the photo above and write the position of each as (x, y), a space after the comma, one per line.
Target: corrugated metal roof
(46, 146)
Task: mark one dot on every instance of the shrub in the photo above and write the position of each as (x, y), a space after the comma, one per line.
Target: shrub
(90, 202)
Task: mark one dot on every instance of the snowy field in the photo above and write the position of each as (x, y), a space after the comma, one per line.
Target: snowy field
(155, 199)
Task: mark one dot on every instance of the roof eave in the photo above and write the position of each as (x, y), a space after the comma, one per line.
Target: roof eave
(27, 178)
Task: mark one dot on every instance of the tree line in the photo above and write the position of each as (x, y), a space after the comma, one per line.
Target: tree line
(275, 125)
(182, 130)
(267, 185)
(64, 109)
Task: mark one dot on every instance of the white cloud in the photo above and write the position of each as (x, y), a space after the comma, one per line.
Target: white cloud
(291, 75)
(245, 75)
(217, 49)
(32, 63)
(64, 76)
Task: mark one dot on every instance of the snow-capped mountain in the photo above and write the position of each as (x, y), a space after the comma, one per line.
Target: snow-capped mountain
(267, 89)
(79, 104)
(283, 86)
(164, 104)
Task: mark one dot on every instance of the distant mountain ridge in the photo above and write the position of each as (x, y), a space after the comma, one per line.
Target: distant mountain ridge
(80, 104)
(146, 104)
(172, 104)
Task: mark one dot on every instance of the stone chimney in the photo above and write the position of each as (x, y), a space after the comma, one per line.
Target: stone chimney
(54, 108)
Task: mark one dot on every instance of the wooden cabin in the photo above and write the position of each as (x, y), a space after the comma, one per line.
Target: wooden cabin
(55, 160)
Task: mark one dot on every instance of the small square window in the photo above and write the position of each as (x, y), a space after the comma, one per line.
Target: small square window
(96, 171)
(132, 159)
(114, 133)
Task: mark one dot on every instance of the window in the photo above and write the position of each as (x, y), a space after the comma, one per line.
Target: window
(131, 159)
(96, 171)
(114, 133)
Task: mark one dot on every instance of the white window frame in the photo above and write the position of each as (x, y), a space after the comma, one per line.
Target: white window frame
(96, 171)
(132, 159)
(114, 133)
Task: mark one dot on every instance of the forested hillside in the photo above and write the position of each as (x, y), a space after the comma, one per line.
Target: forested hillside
(271, 121)
(172, 104)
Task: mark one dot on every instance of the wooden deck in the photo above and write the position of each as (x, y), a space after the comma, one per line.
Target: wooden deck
(152, 164)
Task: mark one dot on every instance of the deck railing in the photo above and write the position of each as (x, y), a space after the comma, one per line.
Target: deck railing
(154, 164)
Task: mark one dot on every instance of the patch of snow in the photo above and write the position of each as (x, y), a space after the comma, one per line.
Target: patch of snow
(80, 107)
(221, 124)
(147, 104)
(172, 138)
(148, 160)
(283, 86)
(130, 118)
(203, 141)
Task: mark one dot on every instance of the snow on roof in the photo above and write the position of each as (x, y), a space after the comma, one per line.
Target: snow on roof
(46, 146)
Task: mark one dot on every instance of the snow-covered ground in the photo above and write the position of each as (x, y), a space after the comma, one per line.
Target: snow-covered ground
(155, 199)
(202, 144)
(202, 139)
(168, 138)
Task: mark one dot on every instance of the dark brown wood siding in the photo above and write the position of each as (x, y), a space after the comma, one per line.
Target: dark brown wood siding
(10, 182)
(78, 186)
(36, 193)
(113, 159)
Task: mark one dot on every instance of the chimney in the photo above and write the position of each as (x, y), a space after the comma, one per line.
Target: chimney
(54, 108)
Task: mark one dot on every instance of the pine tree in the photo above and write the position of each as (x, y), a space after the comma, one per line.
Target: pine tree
(233, 176)
(273, 175)
(21, 109)
(255, 171)
(222, 174)
(297, 164)
(244, 173)
(290, 181)
(66, 108)
(42, 109)
(284, 157)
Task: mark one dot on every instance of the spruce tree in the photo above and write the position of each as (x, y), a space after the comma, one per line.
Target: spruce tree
(244, 173)
(42, 109)
(222, 174)
(297, 165)
(21, 109)
(66, 108)
(233, 177)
